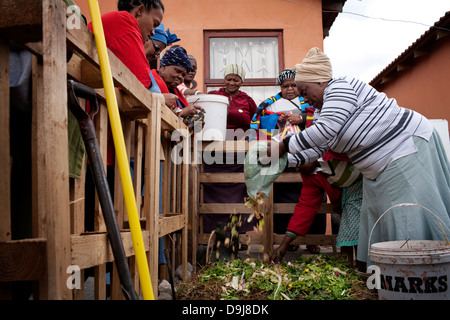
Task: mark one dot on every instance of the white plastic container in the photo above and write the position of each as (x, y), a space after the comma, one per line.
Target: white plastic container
(412, 269)
(415, 270)
(216, 111)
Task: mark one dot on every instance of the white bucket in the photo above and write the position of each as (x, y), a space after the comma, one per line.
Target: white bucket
(216, 111)
(412, 269)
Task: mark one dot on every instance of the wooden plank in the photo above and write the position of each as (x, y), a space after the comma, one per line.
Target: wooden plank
(100, 282)
(289, 177)
(138, 156)
(288, 208)
(258, 238)
(23, 260)
(151, 193)
(5, 156)
(21, 19)
(232, 177)
(268, 214)
(166, 171)
(193, 216)
(169, 223)
(238, 177)
(185, 202)
(52, 184)
(92, 249)
(223, 208)
(101, 131)
(227, 146)
(318, 239)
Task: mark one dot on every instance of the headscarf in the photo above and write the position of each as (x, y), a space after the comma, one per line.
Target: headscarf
(176, 57)
(171, 37)
(234, 69)
(315, 67)
(164, 35)
(285, 74)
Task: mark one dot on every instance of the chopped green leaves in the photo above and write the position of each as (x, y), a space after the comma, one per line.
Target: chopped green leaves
(316, 278)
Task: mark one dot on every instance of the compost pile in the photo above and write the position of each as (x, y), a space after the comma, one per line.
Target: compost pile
(308, 278)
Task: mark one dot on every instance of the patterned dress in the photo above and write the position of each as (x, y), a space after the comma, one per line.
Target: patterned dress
(351, 206)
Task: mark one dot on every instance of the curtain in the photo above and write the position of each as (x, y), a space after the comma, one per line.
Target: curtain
(258, 56)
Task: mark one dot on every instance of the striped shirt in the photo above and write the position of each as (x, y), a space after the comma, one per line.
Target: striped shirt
(363, 123)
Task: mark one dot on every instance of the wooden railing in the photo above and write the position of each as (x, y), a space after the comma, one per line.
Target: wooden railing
(59, 239)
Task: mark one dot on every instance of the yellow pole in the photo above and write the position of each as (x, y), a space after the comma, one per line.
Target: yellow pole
(121, 154)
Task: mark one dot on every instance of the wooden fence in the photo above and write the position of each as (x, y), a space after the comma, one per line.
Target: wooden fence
(58, 237)
(267, 237)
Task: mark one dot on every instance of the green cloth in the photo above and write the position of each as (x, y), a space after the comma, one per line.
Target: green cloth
(76, 143)
(76, 147)
(259, 177)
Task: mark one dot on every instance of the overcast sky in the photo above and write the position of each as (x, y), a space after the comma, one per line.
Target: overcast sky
(362, 47)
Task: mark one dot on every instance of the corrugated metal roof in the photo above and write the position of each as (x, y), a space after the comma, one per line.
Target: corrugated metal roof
(419, 48)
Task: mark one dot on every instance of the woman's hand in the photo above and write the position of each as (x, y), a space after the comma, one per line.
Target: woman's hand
(170, 99)
(190, 110)
(283, 117)
(279, 253)
(276, 148)
(295, 118)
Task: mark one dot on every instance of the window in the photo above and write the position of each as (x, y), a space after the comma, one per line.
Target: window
(259, 53)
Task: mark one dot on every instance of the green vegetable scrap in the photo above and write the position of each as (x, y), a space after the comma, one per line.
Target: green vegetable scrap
(314, 278)
(256, 204)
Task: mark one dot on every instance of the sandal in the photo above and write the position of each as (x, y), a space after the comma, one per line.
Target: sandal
(293, 248)
(312, 248)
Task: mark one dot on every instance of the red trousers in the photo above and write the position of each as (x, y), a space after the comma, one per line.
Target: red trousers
(314, 187)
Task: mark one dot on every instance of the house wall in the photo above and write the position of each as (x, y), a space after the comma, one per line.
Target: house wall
(424, 87)
(302, 26)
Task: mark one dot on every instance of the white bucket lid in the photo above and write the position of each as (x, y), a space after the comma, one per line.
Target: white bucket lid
(410, 252)
(207, 98)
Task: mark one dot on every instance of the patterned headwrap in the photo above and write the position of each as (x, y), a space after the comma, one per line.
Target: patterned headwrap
(234, 69)
(285, 74)
(315, 67)
(176, 57)
(164, 35)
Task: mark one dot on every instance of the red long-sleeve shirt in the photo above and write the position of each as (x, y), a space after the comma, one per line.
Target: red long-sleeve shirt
(123, 37)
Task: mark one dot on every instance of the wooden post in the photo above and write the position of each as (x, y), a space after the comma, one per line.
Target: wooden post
(268, 224)
(99, 222)
(5, 156)
(151, 187)
(52, 160)
(193, 212)
(185, 199)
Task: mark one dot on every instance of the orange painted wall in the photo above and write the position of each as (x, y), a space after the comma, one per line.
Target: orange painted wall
(302, 26)
(425, 87)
